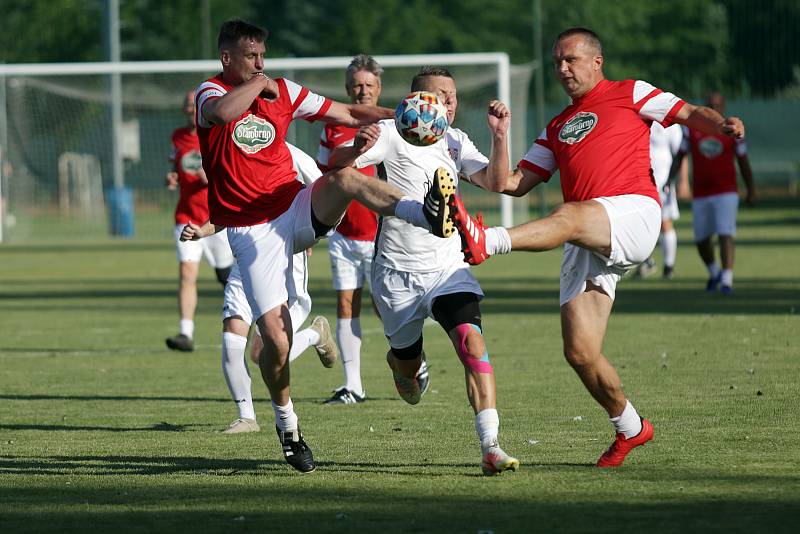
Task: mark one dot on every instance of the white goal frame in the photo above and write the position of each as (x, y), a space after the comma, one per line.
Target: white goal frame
(497, 60)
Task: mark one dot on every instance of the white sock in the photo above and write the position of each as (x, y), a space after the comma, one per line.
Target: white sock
(302, 340)
(498, 241)
(487, 424)
(237, 376)
(727, 277)
(187, 328)
(285, 417)
(713, 269)
(410, 211)
(348, 335)
(628, 422)
(669, 247)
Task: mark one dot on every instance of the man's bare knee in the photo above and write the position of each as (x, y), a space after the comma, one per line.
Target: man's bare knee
(579, 358)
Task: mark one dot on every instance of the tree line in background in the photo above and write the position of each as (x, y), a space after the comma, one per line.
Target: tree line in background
(743, 47)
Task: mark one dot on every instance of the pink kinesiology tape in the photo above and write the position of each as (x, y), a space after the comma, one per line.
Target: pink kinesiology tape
(472, 363)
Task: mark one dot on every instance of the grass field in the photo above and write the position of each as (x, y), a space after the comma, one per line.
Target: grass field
(102, 428)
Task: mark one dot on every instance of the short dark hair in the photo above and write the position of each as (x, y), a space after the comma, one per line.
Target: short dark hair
(362, 62)
(592, 38)
(232, 30)
(429, 70)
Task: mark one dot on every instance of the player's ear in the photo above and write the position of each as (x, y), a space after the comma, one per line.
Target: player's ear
(598, 62)
(225, 57)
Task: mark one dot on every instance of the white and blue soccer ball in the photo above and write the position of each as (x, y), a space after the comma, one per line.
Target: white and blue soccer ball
(421, 118)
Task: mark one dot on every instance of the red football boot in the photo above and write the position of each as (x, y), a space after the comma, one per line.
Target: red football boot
(473, 238)
(618, 450)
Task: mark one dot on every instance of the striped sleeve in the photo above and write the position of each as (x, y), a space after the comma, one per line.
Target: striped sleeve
(540, 158)
(207, 91)
(305, 104)
(654, 104)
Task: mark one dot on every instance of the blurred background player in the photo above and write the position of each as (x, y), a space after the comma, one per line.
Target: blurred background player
(190, 180)
(715, 196)
(665, 143)
(418, 275)
(352, 246)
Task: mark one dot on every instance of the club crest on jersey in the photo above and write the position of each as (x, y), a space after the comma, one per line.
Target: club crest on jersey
(578, 127)
(191, 162)
(710, 147)
(252, 134)
(453, 153)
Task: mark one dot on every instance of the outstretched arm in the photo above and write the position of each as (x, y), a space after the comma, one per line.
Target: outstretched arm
(355, 115)
(709, 121)
(194, 232)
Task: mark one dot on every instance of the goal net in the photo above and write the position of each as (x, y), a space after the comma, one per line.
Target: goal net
(61, 168)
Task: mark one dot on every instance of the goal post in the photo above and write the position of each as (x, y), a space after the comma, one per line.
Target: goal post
(47, 110)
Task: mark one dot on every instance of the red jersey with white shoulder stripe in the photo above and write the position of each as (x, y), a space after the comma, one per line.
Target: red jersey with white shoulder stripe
(359, 222)
(601, 143)
(713, 155)
(251, 179)
(193, 191)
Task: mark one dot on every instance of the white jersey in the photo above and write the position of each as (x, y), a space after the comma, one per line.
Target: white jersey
(306, 167)
(664, 144)
(400, 245)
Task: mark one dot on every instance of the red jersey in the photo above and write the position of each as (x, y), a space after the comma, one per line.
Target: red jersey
(251, 179)
(358, 223)
(713, 155)
(193, 201)
(601, 143)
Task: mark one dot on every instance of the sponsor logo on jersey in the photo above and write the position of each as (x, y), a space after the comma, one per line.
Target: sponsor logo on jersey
(453, 153)
(710, 147)
(578, 127)
(191, 162)
(252, 134)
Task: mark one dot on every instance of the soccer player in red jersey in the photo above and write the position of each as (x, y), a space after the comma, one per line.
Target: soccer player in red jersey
(242, 118)
(715, 197)
(190, 180)
(610, 219)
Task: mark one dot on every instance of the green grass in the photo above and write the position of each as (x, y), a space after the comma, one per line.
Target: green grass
(102, 428)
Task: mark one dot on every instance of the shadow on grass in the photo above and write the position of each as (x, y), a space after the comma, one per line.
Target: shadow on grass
(387, 497)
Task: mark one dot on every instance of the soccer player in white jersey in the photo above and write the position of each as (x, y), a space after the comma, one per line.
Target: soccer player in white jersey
(237, 318)
(664, 145)
(416, 274)
(189, 179)
(610, 218)
(242, 119)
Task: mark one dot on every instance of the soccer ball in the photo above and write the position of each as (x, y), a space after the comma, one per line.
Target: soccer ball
(421, 118)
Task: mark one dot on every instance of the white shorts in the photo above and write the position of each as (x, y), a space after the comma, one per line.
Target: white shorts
(669, 203)
(404, 299)
(715, 215)
(215, 248)
(265, 254)
(235, 301)
(351, 261)
(635, 225)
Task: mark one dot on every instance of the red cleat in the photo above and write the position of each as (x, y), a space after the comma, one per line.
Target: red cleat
(473, 238)
(618, 450)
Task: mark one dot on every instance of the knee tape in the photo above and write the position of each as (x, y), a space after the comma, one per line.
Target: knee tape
(471, 363)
